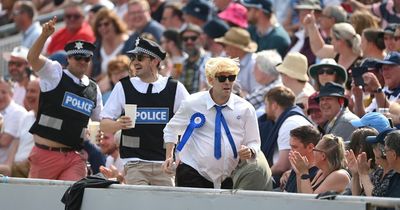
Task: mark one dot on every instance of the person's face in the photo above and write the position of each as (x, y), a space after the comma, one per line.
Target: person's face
(18, 16)
(78, 65)
(297, 146)
(252, 15)
(258, 74)
(329, 106)
(166, 44)
(325, 20)
(137, 16)
(191, 41)
(167, 18)
(285, 79)
(378, 156)
(326, 75)
(31, 100)
(316, 116)
(391, 75)
(222, 84)
(143, 65)
(390, 42)
(107, 144)
(232, 51)
(391, 156)
(270, 108)
(5, 95)
(319, 154)
(73, 17)
(16, 68)
(106, 28)
(364, 43)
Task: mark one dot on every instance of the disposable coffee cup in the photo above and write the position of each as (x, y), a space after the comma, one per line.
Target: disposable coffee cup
(130, 111)
(94, 128)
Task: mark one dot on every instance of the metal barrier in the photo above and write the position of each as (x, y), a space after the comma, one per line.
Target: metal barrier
(19, 194)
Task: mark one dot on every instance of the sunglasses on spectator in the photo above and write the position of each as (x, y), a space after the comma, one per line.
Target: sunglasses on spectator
(139, 56)
(15, 63)
(326, 71)
(72, 16)
(79, 58)
(222, 78)
(187, 38)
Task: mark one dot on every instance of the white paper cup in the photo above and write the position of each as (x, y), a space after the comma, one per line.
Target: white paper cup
(130, 111)
(94, 128)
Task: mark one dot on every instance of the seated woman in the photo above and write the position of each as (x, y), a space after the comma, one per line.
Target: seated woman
(373, 183)
(327, 71)
(329, 158)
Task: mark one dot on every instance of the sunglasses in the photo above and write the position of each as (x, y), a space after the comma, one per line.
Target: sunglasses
(326, 71)
(15, 63)
(72, 16)
(79, 58)
(187, 38)
(139, 56)
(105, 24)
(221, 78)
(318, 150)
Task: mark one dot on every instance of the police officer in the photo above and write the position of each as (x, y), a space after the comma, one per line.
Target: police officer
(68, 99)
(157, 99)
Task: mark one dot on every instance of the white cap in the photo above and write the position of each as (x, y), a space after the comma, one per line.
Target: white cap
(20, 52)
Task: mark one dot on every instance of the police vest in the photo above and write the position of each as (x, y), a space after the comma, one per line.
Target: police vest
(64, 112)
(154, 110)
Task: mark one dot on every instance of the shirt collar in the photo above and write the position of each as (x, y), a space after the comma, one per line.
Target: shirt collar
(210, 102)
(84, 79)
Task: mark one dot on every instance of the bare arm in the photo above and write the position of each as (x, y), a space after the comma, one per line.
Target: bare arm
(283, 163)
(318, 46)
(5, 140)
(112, 126)
(35, 59)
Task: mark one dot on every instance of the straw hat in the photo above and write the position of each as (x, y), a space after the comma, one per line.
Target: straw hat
(239, 38)
(294, 65)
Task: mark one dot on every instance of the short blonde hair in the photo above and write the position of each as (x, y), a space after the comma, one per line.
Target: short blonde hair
(221, 64)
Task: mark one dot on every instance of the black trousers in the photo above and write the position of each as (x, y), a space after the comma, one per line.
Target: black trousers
(187, 176)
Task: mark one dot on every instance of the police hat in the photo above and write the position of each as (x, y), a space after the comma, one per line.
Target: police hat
(148, 47)
(79, 47)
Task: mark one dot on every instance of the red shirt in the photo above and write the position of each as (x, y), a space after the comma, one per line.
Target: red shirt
(63, 36)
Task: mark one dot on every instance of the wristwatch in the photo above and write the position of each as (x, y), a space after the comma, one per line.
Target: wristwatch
(378, 90)
(305, 176)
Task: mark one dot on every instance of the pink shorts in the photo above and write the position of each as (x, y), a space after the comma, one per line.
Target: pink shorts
(57, 165)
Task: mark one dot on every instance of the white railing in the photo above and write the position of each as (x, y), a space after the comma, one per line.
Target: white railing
(19, 194)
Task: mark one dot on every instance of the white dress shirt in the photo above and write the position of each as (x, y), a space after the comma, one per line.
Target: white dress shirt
(50, 75)
(199, 149)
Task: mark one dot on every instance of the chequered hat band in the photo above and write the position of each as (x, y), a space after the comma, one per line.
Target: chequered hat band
(148, 52)
(81, 51)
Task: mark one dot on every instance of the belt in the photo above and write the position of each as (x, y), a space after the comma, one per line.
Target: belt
(54, 149)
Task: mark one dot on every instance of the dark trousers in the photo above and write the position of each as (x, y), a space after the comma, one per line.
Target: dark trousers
(187, 176)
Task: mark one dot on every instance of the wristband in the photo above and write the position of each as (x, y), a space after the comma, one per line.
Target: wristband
(305, 176)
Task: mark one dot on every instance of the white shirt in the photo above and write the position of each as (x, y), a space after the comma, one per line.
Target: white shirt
(12, 116)
(19, 93)
(283, 141)
(374, 106)
(116, 102)
(118, 163)
(199, 149)
(25, 138)
(50, 75)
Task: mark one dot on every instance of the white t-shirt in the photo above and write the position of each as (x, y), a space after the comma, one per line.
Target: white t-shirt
(118, 163)
(25, 138)
(283, 142)
(12, 116)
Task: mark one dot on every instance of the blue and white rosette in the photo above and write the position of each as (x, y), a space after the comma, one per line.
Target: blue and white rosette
(196, 121)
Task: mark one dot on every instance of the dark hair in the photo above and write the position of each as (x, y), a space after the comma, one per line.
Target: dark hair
(174, 36)
(307, 134)
(176, 8)
(392, 141)
(359, 144)
(375, 36)
(27, 7)
(283, 96)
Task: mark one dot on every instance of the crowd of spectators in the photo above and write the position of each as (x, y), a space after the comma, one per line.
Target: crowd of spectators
(322, 77)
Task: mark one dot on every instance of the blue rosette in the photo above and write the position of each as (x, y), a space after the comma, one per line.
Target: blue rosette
(196, 121)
